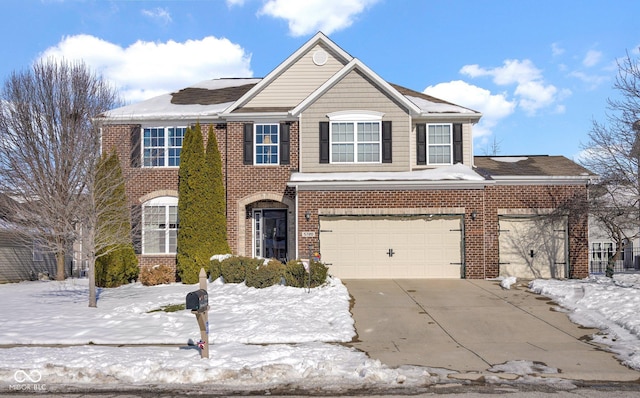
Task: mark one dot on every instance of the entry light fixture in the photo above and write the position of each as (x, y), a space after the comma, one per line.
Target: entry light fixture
(307, 215)
(474, 215)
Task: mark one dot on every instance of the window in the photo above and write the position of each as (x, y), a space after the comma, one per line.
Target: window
(439, 143)
(266, 146)
(162, 146)
(160, 226)
(355, 137)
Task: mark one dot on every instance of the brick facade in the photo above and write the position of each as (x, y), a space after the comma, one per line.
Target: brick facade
(480, 236)
(250, 187)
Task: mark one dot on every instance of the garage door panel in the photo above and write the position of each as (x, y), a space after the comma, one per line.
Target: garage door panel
(422, 247)
(533, 247)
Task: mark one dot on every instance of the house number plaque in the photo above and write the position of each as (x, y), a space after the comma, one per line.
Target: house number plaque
(308, 234)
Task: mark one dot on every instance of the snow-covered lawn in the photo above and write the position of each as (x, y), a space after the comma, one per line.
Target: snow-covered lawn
(260, 338)
(611, 305)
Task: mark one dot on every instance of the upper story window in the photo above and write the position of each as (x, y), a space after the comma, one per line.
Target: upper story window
(266, 144)
(355, 137)
(439, 144)
(160, 226)
(162, 146)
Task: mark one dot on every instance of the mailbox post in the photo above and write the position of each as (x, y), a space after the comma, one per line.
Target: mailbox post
(198, 303)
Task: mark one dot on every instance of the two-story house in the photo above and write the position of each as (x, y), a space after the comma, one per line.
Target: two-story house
(323, 155)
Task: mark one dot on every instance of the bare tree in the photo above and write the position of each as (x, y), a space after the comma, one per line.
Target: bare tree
(50, 151)
(613, 152)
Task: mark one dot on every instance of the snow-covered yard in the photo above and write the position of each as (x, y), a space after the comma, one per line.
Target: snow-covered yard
(260, 338)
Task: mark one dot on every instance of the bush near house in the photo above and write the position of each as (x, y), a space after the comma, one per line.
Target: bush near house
(264, 275)
(117, 268)
(295, 274)
(157, 275)
(255, 273)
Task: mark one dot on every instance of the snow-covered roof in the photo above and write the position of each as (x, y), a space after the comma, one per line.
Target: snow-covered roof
(166, 107)
(456, 173)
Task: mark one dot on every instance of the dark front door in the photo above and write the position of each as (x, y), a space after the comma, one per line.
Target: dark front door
(270, 229)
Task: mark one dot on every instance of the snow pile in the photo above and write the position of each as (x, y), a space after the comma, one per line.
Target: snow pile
(507, 282)
(611, 305)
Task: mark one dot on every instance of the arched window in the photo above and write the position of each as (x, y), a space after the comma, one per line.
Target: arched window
(160, 225)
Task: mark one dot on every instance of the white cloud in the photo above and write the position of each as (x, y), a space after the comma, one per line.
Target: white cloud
(146, 69)
(592, 58)
(310, 16)
(532, 92)
(159, 14)
(494, 107)
(556, 50)
(231, 3)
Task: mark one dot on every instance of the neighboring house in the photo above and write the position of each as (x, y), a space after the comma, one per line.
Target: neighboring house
(602, 245)
(323, 155)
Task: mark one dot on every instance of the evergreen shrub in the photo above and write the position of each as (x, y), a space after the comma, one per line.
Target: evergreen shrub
(233, 269)
(117, 268)
(295, 275)
(215, 270)
(260, 275)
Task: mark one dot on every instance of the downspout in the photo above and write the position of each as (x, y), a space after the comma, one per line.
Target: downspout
(297, 225)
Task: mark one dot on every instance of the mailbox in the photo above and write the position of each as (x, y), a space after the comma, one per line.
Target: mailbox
(198, 300)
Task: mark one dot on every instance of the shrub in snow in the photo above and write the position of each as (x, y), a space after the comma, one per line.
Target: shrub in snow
(295, 275)
(233, 269)
(264, 275)
(117, 268)
(157, 275)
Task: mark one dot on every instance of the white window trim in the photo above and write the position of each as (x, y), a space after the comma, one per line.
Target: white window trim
(166, 146)
(450, 144)
(164, 201)
(355, 117)
(255, 145)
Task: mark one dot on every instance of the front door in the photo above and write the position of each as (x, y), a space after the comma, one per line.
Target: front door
(270, 233)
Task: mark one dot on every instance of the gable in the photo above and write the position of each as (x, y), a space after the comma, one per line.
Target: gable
(300, 79)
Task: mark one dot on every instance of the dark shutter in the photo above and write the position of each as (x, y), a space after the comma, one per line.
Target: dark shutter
(136, 150)
(136, 228)
(421, 144)
(285, 147)
(248, 143)
(386, 142)
(324, 142)
(457, 143)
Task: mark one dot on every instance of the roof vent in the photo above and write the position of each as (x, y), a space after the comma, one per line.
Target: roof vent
(320, 57)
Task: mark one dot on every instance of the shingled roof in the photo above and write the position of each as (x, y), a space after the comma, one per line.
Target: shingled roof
(206, 96)
(529, 166)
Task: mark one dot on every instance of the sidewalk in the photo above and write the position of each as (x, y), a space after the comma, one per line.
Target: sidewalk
(470, 326)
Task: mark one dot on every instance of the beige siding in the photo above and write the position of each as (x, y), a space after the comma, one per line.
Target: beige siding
(298, 81)
(354, 92)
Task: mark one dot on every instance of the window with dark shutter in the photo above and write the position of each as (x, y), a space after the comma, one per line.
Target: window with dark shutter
(421, 144)
(136, 149)
(387, 148)
(457, 143)
(285, 147)
(324, 142)
(248, 143)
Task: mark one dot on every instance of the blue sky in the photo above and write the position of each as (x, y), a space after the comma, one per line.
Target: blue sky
(540, 71)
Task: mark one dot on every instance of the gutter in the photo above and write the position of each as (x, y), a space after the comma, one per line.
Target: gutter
(542, 180)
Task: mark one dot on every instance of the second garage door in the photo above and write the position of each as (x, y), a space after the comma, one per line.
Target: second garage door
(360, 247)
(533, 247)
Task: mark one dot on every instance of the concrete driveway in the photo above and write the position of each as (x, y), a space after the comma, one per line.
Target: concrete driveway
(471, 325)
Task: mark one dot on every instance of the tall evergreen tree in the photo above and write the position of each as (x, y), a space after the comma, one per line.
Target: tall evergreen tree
(193, 252)
(217, 202)
(116, 261)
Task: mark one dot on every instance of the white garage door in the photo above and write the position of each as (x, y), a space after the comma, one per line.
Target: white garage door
(361, 247)
(533, 247)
